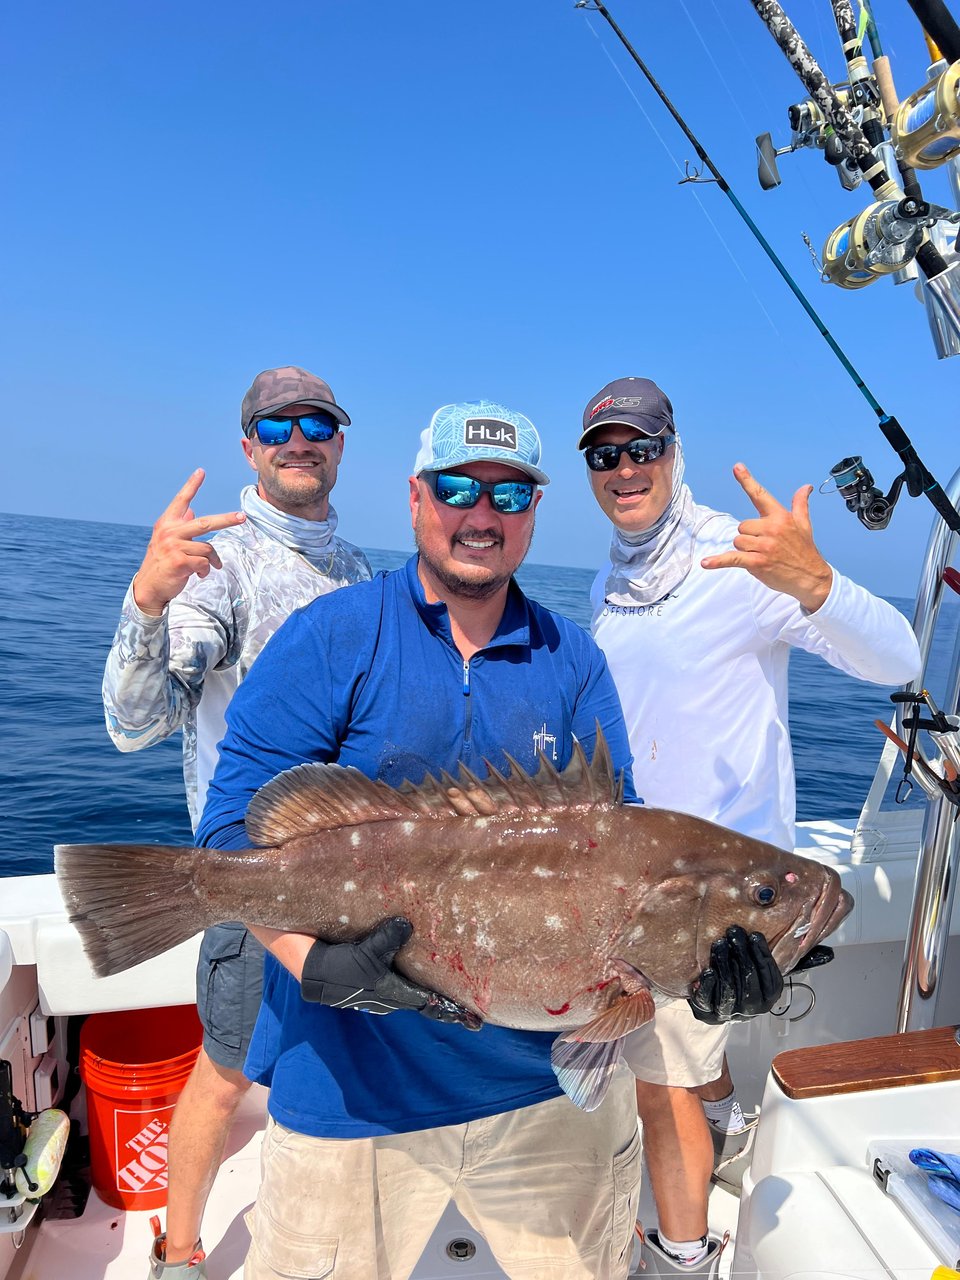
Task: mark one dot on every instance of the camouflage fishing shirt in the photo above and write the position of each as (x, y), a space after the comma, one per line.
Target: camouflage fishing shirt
(180, 670)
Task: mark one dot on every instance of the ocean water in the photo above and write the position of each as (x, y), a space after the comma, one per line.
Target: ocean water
(62, 780)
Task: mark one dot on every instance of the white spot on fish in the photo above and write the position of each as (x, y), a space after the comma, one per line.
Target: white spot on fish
(552, 922)
(481, 823)
(348, 886)
(408, 828)
(355, 839)
(344, 919)
(655, 843)
(468, 873)
(732, 891)
(679, 865)
(723, 844)
(281, 897)
(543, 872)
(682, 937)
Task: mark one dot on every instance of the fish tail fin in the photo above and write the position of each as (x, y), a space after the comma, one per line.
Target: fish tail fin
(129, 901)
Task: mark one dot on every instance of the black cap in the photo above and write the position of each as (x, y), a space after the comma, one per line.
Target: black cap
(629, 402)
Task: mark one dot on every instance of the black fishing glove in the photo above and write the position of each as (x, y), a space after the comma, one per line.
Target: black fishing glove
(359, 975)
(742, 980)
(814, 958)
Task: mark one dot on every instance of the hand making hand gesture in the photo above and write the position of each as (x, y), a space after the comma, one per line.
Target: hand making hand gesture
(175, 552)
(778, 547)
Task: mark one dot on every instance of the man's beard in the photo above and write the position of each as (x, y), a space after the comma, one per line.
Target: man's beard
(296, 494)
(457, 583)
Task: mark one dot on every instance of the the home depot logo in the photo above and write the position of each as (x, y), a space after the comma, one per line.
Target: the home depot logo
(141, 1149)
(490, 431)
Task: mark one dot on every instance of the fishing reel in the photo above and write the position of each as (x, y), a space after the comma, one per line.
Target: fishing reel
(810, 128)
(872, 507)
(880, 240)
(926, 128)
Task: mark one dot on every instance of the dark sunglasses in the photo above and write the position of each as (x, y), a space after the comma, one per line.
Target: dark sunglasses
(606, 457)
(316, 427)
(509, 497)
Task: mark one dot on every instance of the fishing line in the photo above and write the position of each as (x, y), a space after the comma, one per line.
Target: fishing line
(716, 66)
(685, 176)
(918, 478)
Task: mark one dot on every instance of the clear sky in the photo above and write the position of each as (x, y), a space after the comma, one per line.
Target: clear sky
(425, 202)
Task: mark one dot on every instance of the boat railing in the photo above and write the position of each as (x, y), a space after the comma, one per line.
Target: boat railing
(935, 883)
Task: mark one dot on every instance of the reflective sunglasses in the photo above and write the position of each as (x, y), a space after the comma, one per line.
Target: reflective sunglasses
(509, 497)
(316, 427)
(606, 457)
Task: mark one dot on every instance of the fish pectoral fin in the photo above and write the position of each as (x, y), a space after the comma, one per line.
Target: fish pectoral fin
(623, 1016)
(584, 1069)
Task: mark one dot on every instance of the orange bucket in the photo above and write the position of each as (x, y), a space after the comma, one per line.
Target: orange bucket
(131, 1093)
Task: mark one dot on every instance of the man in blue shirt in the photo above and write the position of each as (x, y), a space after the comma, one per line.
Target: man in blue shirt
(377, 1122)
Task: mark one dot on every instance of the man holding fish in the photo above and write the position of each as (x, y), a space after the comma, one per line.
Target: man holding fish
(193, 621)
(709, 734)
(376, 1122)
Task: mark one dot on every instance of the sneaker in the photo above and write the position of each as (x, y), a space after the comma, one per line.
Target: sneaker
(192, 1269)
(732, 1153)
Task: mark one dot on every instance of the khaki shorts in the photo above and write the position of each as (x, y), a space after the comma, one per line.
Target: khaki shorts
(676, 1049)
(552, 1189)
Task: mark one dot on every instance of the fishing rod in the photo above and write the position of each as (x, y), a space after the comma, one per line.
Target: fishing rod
(867, 92)
(890, 232)
(872, 508)
(939, 25)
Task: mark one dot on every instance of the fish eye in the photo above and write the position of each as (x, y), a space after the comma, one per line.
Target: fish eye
(764, 895)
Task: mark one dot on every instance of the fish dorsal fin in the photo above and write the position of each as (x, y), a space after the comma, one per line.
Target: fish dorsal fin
(317, 797)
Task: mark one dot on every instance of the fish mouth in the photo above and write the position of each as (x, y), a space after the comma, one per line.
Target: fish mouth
(826, 912)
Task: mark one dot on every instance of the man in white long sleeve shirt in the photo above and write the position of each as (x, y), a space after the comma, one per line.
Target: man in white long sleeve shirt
(699, 653)
(194, 619)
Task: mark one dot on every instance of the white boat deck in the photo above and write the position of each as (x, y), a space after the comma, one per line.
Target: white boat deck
(112, 1244)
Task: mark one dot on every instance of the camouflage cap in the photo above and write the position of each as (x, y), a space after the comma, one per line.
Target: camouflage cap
(273, 389)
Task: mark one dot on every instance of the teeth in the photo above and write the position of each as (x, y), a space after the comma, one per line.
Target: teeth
(479, 545)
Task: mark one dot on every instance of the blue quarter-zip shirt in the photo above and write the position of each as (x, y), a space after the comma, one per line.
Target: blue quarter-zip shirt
(370, 677)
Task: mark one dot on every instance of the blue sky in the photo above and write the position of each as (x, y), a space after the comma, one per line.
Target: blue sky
(432, 202)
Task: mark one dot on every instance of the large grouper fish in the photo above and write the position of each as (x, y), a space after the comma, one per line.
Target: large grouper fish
(540, 902)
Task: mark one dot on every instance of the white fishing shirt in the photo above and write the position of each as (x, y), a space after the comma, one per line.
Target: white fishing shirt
(181, 669)
(702, 676)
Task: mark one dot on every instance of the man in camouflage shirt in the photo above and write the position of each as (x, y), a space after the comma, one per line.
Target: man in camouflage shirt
(194, 619)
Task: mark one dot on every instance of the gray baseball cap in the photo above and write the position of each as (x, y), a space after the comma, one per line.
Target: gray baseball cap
(480, 431)
(629, 402)
(273, 389)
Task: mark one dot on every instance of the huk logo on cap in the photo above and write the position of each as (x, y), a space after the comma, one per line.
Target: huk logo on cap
(490, 432)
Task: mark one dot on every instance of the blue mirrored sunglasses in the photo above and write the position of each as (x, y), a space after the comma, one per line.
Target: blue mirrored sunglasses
(316, 427)
(606, 457)
(509, 497)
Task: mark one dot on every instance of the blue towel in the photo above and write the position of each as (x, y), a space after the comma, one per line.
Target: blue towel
(944, 1174)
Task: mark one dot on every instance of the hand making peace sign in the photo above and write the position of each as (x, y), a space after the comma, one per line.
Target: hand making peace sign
(778, 548)
(173, 556)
